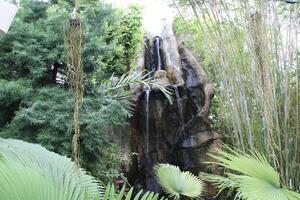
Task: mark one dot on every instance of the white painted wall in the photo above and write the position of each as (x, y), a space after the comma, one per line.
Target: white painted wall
(7, 14)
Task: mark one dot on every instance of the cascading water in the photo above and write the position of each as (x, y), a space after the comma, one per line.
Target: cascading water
(147, 96)
(161, 132)
(147, 92)
(179, 105)
(158, 57)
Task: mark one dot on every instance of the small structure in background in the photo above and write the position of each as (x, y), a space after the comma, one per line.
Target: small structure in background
(7, 15)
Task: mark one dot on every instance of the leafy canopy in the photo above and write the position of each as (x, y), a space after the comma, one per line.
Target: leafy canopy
(44, 116)
(34, 46)
(37, 107)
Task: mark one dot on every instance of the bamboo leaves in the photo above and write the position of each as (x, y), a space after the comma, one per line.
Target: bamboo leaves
(253, 51)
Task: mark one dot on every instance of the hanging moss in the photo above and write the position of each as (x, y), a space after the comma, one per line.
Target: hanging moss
(73, 42)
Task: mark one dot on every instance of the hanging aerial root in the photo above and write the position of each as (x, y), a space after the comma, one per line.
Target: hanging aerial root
(73, 42)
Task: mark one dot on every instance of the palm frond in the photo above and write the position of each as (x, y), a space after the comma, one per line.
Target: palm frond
(114, 83)
(254, 164)
(177, 183)
(29, 171)
(166, 91)
(252, 188)
(119, 88)
(110, 194)
(251, 176)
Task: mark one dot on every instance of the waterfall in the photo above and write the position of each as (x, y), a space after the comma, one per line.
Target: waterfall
(157, 46)
(160, 132)
(147, 95)
(179, 106)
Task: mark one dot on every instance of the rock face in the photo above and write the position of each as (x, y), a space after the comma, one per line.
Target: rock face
(160, 132)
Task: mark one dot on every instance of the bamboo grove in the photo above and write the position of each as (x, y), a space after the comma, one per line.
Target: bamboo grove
(254, 47)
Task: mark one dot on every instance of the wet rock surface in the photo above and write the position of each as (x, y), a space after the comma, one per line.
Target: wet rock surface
(160, 132)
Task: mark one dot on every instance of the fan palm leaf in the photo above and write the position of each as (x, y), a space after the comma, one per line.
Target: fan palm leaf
(251, 176)
(30, 172)
(177, 183)
(110, 194)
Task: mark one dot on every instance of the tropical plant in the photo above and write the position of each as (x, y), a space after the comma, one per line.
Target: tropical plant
(110, 194)
(119, 88)
(177, 183)
(36, 106)
(250, 175)
(252, 49)
(43, 115)
(127, 37)
(29, 171)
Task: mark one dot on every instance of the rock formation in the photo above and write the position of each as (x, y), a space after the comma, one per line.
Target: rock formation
(160, 132)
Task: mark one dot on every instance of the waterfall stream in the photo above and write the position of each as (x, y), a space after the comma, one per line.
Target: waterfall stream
(161, 132)
(179, 105)
(157, 46)
(147, 92)
(147, 95)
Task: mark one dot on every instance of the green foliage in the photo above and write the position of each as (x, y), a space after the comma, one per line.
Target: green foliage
(49, 175)
(34, 43)
(126, 36)
(44, 117)
(119, 88)
(251, 176)
(110, 194)
(177, 183)
(97, 21)
(11, 93)
(33, 48)
(36, 109)
(258, 75)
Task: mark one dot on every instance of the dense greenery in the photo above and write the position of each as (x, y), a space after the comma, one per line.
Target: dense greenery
(51, 176)
(44, 117)
(33, 47)
(36, 41)
(36, 104)
(255, 65)
(126, 38)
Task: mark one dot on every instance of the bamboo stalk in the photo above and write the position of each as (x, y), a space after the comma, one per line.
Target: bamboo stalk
(259, 76)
